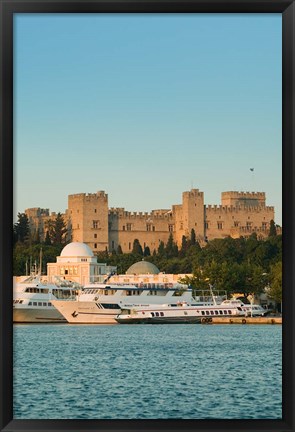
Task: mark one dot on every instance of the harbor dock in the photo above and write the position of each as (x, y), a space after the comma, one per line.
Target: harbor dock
(242, 320)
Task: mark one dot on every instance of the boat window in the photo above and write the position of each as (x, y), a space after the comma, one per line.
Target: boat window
(185, 313)
(30, 303)
(203, 312)
(44, 290)
(39, 303)
(49, 304)
(110, 305)
(221, 313)
(34, 303)
(158, 293)
(229, 312)
(177, 293)
(157, 313)
(152, 314)
(207, 313)
(44, 304)
(126, 312)
(162, 313)
(212, 312)
(216, 312)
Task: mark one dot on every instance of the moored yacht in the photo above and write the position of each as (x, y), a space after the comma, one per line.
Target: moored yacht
(32, 299)
(101, 303)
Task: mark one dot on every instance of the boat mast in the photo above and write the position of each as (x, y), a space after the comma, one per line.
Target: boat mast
(40, 262)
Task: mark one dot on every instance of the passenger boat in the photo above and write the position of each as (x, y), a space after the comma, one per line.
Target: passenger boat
(181, 314)
(249, 309)
(101, 303)
(32, 299)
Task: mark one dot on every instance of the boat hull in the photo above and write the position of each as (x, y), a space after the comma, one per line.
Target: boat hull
(26, 315)
(160, 320)
(85, 313)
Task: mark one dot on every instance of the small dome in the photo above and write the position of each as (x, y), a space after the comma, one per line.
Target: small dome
(76, 249)
(143, 267)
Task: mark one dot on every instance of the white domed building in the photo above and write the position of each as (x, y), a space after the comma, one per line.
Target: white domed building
(146, 272)
(77, 263)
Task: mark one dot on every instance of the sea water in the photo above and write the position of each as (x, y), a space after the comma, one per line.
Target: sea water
(147, 371)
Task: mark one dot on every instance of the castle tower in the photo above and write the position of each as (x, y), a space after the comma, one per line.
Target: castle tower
(89, 217)
(189, 215)
(243, 199)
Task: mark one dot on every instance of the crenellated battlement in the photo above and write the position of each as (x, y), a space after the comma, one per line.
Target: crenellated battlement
(236, 209)
(153, 215)
(91, 197)
(237, 194)
(193, 193)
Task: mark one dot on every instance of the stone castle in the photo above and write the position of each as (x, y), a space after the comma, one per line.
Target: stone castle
(90, 220)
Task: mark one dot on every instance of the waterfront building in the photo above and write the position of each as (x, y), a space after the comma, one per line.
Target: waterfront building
(91, 221)
(77, 263)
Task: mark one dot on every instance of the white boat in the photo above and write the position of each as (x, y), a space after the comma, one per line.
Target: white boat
(249, 309)
(32, 300)
(181, 314)
(101, 303)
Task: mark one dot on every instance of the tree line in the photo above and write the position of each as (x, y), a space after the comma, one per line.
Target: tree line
(246, 264)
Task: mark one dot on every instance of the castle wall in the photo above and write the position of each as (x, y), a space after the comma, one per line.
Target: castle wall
(148, 228)
(222, 221)
(38, 220)
(91, 221)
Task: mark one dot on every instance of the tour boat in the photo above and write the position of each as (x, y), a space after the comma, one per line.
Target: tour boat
(181, 314)
(32, 299)
(101, 303)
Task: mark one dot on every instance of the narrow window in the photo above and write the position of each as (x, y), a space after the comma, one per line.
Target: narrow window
(94, 224)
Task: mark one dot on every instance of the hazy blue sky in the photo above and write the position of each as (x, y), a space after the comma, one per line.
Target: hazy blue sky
(146, 107)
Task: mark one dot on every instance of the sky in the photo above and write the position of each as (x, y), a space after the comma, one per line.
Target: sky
(145, 107)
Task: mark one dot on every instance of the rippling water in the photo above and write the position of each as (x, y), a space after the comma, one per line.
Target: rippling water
(147, 372)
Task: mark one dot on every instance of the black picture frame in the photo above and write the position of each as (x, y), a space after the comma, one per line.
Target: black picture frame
(8, 8)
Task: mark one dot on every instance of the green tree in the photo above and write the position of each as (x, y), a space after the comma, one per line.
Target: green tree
(272, 229)
(184, 246)
(47, 240)
(171, 249)
(161, 248)
(57, 230)
(22, 228)
(137, 248)
(193, 237)
(275, 290)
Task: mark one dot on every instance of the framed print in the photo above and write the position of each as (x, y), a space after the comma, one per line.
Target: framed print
(162, 107)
